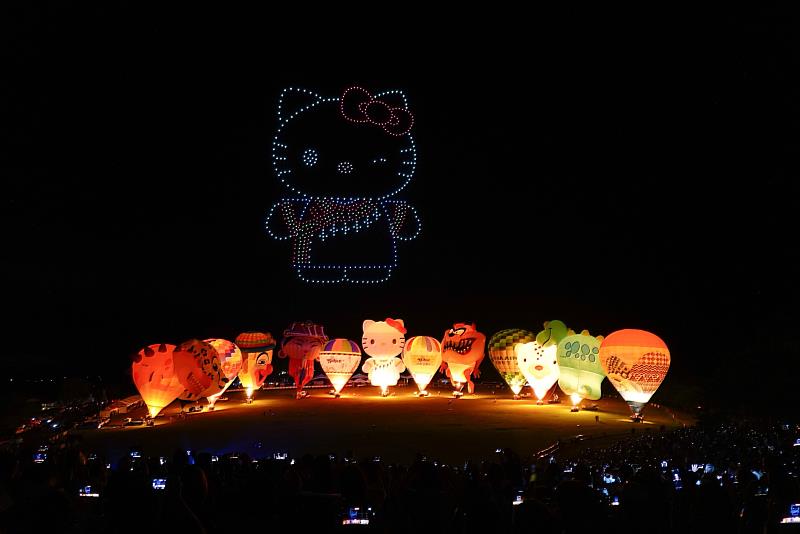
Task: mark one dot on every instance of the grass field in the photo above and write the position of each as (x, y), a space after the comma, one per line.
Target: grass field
(365, 424)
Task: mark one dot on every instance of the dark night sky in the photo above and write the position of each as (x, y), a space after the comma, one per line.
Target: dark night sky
(611, 170)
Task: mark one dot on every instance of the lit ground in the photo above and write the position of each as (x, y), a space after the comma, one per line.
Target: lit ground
(361, 421)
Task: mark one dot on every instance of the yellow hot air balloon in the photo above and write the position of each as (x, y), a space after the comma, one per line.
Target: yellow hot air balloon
(230, 361)
(422, 356)
(339, 359)
(154, 375)
(501, 352)
(636, 363)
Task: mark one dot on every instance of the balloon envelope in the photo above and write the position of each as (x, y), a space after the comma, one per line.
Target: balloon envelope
(579, 364)
(501, 352)
(256, 366)
(539, 365)
(198, 369)
(339, 359)
(154, 375)
(636, 363)
(230, 360)
(422, 356)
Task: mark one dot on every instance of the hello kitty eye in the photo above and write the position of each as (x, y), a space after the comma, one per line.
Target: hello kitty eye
(310, 157)
(394, 342)
(371, 341)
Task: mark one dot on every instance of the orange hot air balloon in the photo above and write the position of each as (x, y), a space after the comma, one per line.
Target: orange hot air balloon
(230, 360)
(198, 369)
(154, 376)
(636, 363)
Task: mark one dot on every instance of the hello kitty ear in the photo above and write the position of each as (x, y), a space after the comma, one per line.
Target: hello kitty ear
(367, 324)
(517, 348)
(395, 98)
(293, 101)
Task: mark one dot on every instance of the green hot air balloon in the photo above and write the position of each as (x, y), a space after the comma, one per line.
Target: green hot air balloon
(581, 370)
(501, 352)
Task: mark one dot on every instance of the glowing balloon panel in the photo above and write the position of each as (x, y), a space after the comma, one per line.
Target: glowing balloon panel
(230, 360)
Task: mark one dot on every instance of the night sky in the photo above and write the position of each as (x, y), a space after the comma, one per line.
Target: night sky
(610, 170)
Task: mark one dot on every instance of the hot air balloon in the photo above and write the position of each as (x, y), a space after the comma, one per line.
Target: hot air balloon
(501, 352)
(198, 368)
(301, 343)
(580, 368)
(339, 359)
(539, 366)
(256, 350)
(636, 363)
(230, 360)
(154, 376)
(462, 353)
(422, 357)
(383, 340)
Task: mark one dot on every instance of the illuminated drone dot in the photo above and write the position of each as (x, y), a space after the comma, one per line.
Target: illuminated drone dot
(345, 167)
(310, 157)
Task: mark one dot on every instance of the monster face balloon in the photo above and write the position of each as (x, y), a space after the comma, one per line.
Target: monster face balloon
(154, 376)
(636, 363)
(539, 366)
(579, 363)
(339, 358)
(301, 343)
(462, 354)
(230, 360)
(383, 340)
(501, 352)
(422, 356)
(256, 350)
(198, 368)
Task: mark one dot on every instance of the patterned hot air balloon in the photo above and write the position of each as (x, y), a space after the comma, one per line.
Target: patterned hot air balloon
(636, 363)
(230, 360)
(501, 352)
(154, 375)
(198, 368)
(339, 359)
(422, 357)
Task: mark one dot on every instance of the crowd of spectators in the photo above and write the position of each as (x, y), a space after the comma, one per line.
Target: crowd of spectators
(713, 477)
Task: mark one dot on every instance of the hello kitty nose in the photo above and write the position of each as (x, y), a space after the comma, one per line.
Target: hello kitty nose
(344, 167)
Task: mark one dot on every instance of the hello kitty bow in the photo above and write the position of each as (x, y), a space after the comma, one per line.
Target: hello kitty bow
(358, 105)
(395, 324)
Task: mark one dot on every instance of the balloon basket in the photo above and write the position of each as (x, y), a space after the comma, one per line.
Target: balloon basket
(575, 409)
(248, 401)
(423, 393)
(539, 402)
(337, 395)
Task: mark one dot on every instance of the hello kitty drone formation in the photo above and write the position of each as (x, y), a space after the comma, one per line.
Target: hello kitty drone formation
(344, 160)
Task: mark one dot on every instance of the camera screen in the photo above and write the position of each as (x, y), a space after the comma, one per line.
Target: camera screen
(356, 515)
(86, 491)
(159, 483)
